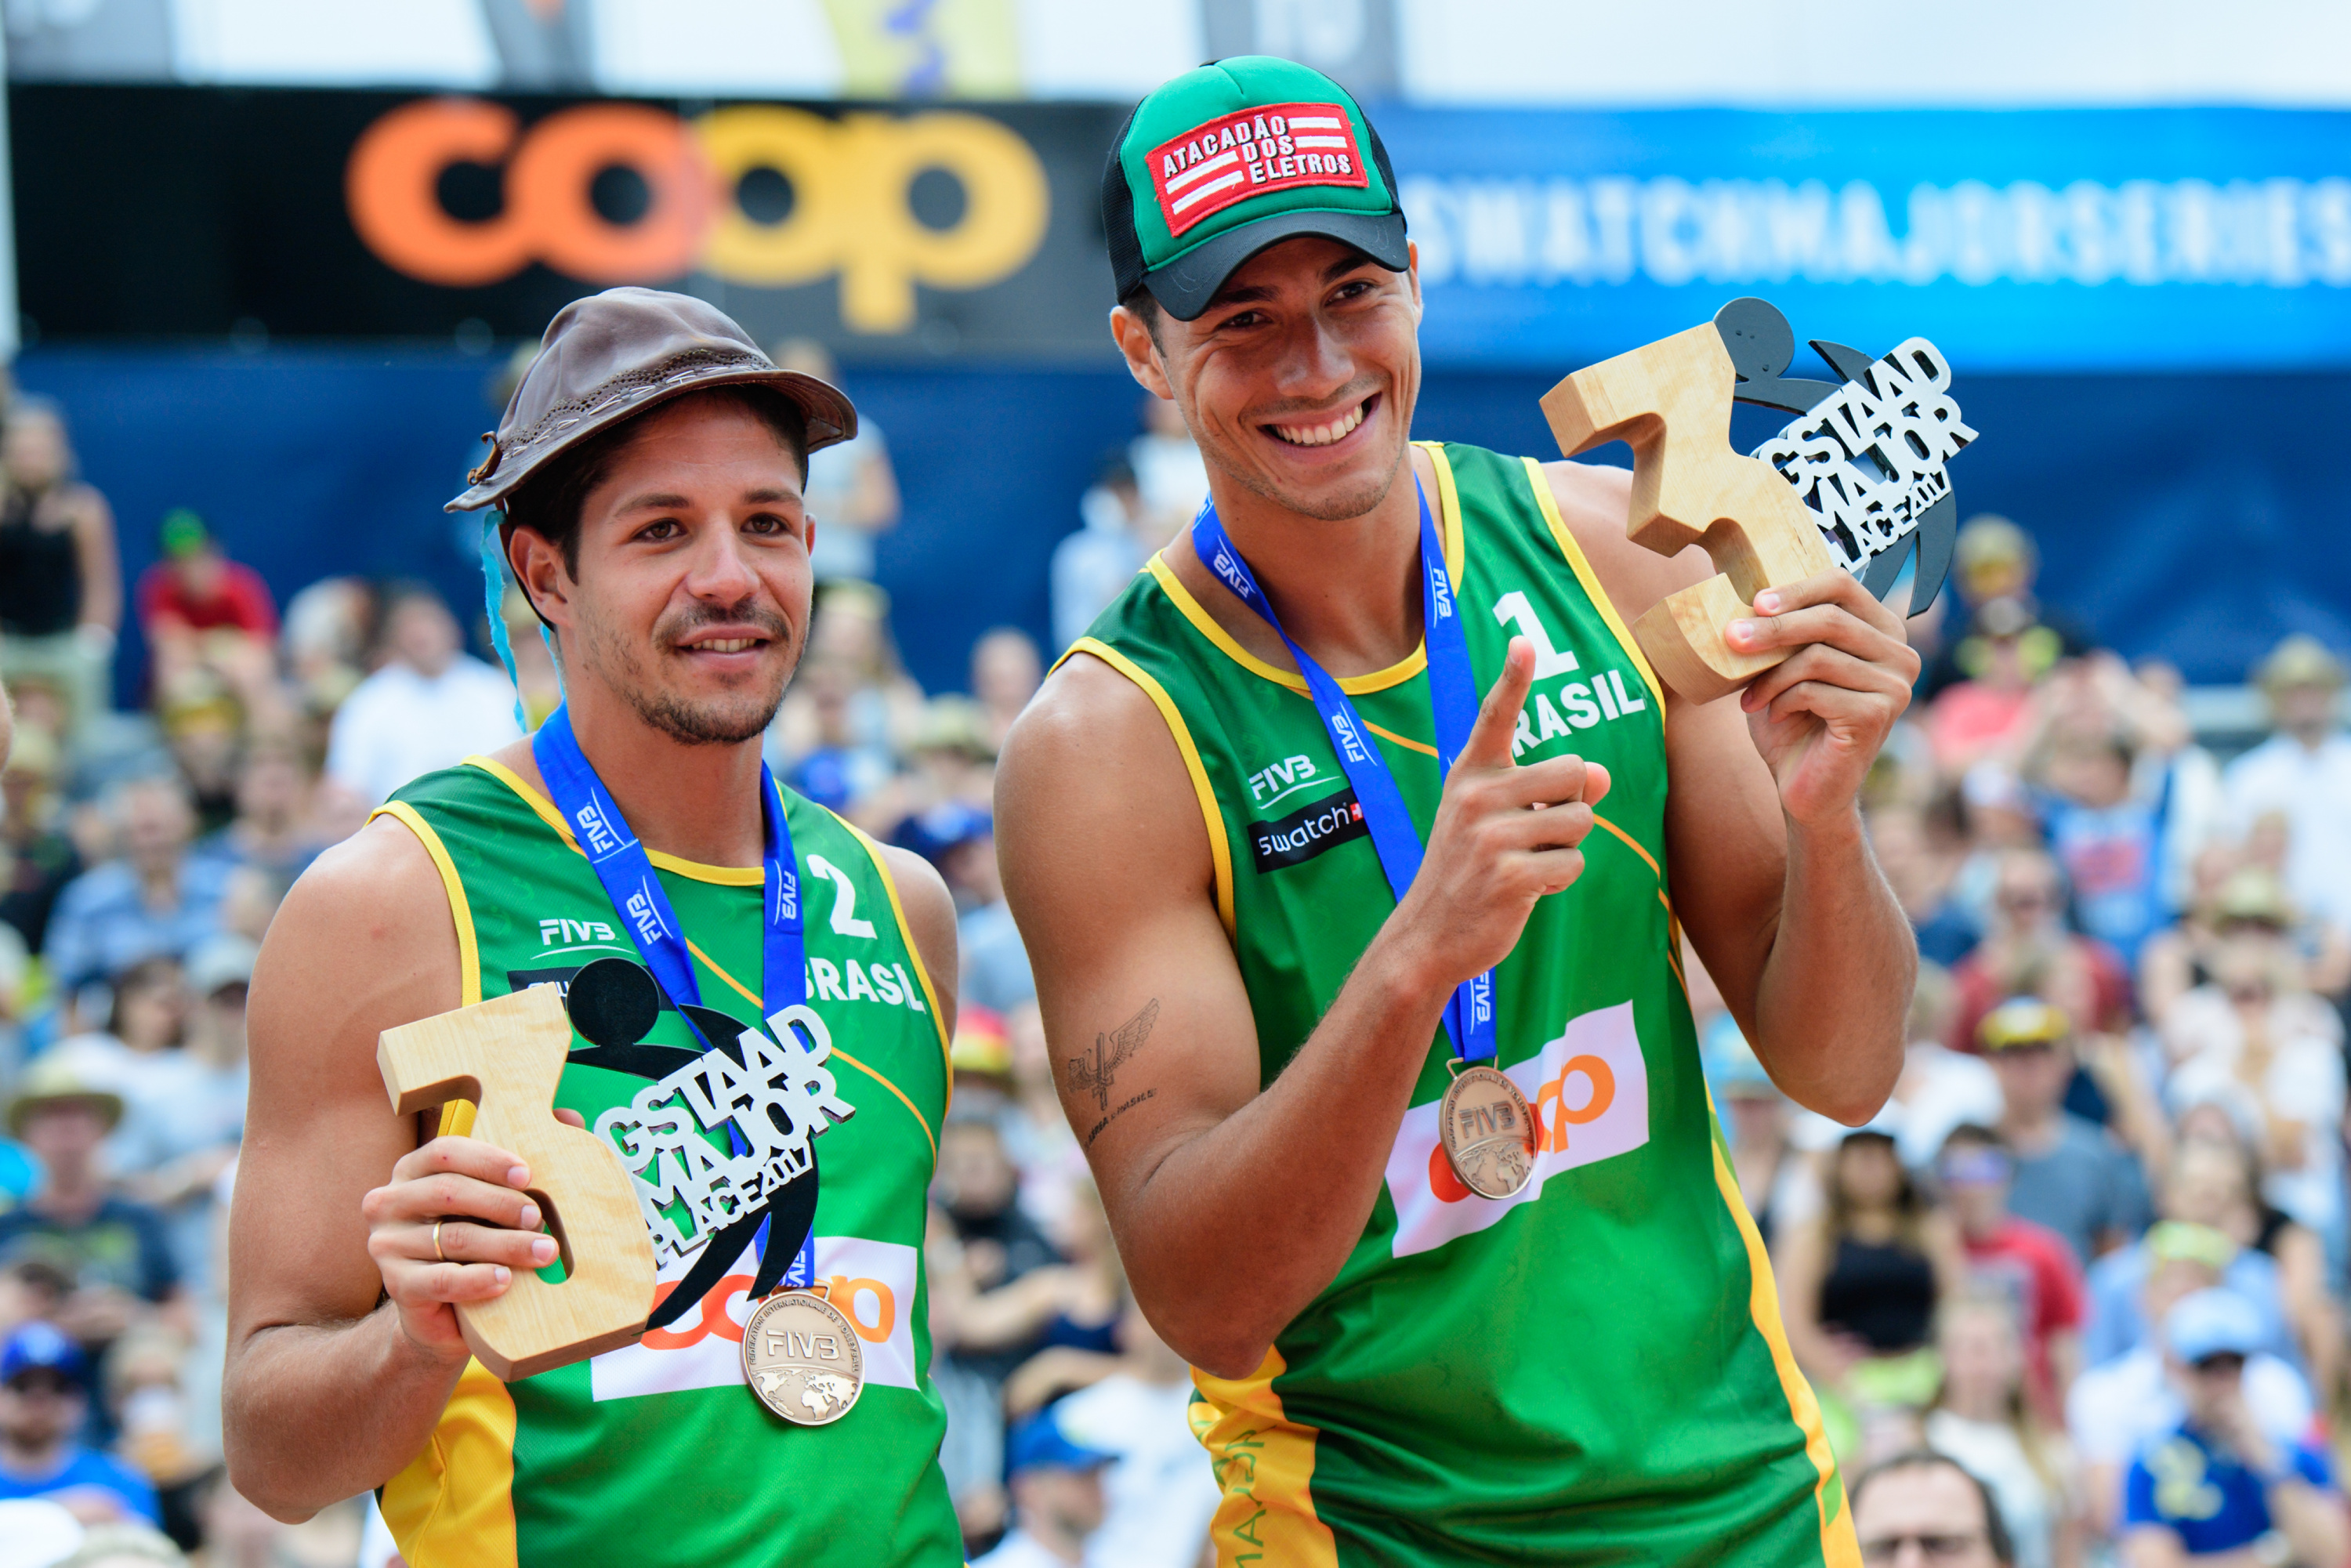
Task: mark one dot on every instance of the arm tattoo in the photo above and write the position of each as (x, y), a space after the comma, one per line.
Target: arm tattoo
(1094, 1072)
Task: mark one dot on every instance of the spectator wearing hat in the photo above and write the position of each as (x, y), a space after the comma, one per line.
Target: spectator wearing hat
(429, 705)
(118, 1251)
(960, 840)
(205, 615)
(2202, 1190)
(2115, 1408)
(2221, 1484)
(2028, 1266)
(2303, 773)
(43, 1401)
(155, 899)
(2070, 1175)
(1057, 1497)
(1925, 1510)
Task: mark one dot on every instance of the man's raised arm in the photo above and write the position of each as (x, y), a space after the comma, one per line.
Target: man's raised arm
(1107, 867)
(1771, 869)
(328, 1393)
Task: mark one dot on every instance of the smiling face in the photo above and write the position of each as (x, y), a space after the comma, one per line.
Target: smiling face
(691, 596)
(1299, 380)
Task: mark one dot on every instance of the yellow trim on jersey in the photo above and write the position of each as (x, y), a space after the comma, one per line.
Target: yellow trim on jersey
(1396, 675)
(1220, 849)
(1838, 1547)
(469, 953)
(1565, 539)
(452, 1506)
(913, 951)
(717, 875)
(1264, 1466)
(929, 1137)
(1403, 740)
(1448, 511)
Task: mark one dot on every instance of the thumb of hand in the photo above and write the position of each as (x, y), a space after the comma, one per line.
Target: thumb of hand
(1497, 715)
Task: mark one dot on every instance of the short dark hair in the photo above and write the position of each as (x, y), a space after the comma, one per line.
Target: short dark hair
(551, 502)
(1146, 304)
(1975, 1135)
(1996, 1535)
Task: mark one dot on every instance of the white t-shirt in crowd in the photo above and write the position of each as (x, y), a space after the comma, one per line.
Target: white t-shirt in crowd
(2111, 1409)
(2312, 788)
(1162, 1492)
(1992, 1453)
(397, 725)
(1019, 1550)
(2303, 1082)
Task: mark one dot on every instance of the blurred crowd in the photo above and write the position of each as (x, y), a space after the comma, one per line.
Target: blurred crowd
(2080, 1285)
(2093, 1250)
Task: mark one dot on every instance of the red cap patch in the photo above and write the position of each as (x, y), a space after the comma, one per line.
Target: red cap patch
(1228, 160)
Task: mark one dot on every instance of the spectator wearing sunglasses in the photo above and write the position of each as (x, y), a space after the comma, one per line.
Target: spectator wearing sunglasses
(2223, 1486)
(1924, 1510)
(44, 1402)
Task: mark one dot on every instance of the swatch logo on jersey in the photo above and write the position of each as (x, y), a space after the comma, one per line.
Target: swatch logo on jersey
(1234, 157)
(1590, 1093)
(873, 1282)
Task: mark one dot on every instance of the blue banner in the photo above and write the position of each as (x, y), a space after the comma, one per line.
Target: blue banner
(2022, 240)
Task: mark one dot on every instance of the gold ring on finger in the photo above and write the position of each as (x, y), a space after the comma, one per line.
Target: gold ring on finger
(436, 1240)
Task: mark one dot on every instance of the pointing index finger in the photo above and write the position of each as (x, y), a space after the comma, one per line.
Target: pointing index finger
(1497, 715)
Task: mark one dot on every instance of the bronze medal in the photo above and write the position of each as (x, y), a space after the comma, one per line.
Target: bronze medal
(1488, 1132)
(802, 1357)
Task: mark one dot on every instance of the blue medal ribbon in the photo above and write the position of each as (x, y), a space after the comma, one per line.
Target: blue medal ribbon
(1453, 697)
(621, 863)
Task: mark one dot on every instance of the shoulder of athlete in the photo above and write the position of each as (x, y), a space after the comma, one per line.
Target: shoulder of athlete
(364, 941)
(1089, 778)
(930, 919)
(1594, 501)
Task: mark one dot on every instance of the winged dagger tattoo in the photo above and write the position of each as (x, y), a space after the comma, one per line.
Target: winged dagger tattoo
(1094, 1072)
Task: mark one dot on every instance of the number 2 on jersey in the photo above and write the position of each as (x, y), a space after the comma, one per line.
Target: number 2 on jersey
(844, 904)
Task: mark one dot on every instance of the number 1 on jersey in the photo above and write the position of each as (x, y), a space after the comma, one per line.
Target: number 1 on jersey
(1512, 609)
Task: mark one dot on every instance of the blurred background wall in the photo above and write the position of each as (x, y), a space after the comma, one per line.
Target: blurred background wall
(274, 254)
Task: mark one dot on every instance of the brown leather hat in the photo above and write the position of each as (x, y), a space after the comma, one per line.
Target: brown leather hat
(618, 353)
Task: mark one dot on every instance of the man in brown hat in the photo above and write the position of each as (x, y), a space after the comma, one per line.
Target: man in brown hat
(649, 470)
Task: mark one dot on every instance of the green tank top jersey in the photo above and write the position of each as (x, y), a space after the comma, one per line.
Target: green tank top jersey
(658, 1452)
(1595, 1370)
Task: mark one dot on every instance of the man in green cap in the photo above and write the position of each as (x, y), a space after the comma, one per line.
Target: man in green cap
(1365, 999)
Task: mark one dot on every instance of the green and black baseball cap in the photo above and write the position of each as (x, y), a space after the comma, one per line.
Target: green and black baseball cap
(1235, 156)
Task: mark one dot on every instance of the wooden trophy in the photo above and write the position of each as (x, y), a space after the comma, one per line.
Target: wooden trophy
(1857, 481)
(1671, 402)
(505, 1055)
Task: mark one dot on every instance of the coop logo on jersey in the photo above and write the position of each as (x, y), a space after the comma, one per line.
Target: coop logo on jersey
(1308, 831)
(873, 1282)
(1590, 1093)
(1230, 159)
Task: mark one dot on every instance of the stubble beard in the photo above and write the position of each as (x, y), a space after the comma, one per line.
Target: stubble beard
(729, 719)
